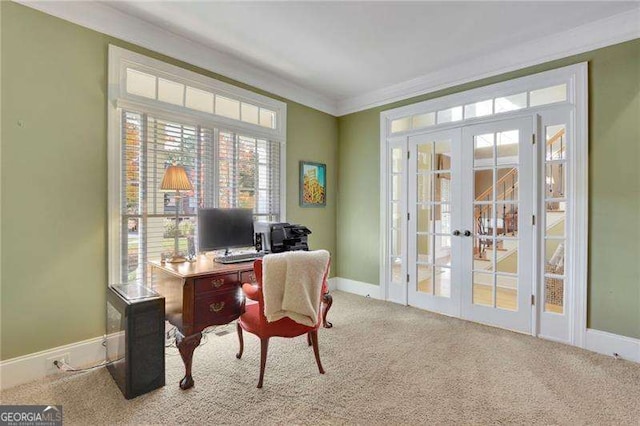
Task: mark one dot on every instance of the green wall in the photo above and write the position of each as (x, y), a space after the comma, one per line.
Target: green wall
(54, 181)
(54, 178)
(614, 185)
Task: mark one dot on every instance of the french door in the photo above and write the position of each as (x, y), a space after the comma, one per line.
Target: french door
(497, 209)
(434, 211)
(470, 206)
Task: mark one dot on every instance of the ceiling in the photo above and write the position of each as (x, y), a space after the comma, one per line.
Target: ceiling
(343, 52)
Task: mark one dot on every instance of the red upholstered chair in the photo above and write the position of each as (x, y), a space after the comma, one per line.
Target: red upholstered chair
(254, 322)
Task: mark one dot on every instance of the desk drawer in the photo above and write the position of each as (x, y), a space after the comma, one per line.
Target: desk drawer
(220, 282)
(248, 277)
(218, 308)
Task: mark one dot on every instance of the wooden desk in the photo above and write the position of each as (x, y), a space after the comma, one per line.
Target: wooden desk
(201, 294)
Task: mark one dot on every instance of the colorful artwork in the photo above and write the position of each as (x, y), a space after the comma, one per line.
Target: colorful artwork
(313, 184)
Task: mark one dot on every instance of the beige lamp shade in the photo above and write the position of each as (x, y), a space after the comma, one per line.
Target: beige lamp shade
(175, 179)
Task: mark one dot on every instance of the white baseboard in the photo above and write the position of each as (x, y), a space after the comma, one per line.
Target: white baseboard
(610, 344)
(27, 368)
(332, 283)
(356, 287)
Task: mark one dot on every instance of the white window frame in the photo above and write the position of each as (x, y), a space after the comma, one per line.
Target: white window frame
(118, 99)
(575, 77)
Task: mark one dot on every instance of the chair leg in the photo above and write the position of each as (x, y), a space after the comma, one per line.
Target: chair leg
(314, 340)
(240, 340)
(264, 345)
(309, 339)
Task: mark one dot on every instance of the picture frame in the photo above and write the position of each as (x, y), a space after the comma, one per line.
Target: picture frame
(313, 184)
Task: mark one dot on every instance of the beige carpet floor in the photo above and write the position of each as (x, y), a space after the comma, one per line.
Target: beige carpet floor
(386, 364)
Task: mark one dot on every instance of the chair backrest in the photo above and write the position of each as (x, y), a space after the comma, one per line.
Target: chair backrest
(257, 270)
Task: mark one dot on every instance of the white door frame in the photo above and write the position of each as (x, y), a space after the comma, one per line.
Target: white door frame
(575, 79)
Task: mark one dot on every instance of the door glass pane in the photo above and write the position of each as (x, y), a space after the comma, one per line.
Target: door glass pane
(511, 103)
(507, 256)
(425, 191)
(450, 114)
(483, 219)
(425, 278)
(424, 248)
(424, 219)
(555, 179)
(556, 147)
(554, 295)
(483, 149)
(424, 157)
(506, 184)
(424, 120)
(506, 220)
(482, 253)
(442, 281)
(478, 109)
(442, 187)
(443, 155)
(443, 219)
(396, 270)
(507, 292)
(396, 160)
(483, 182)
(548, 95)
(401, 125)
(443, 250)
(396, 187)
(482, 289)
(554, 256)
(396, 242)
(507, 147)
(395, 215)
(555, 219)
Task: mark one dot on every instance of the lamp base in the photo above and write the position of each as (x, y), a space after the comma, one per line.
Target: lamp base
(176, 259)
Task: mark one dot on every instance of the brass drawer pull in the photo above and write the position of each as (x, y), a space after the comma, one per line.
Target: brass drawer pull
(217, 282)
(216, 307)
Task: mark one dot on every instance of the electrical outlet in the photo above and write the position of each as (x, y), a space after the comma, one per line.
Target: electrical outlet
(63, 357)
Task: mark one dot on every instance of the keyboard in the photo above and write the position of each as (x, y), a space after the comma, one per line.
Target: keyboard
(238, 258)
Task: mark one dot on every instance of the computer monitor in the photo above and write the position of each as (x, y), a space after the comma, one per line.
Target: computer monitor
(224, 228)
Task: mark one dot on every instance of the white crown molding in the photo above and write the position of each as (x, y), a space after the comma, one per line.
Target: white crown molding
(594, 35)
(100, 17)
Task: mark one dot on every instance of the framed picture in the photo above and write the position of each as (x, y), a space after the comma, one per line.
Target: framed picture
(313, 184)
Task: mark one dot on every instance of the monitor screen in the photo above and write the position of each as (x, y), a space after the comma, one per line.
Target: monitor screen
(224, 228)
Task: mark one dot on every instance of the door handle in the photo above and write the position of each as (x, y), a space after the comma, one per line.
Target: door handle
(456, 233)
(467, 233)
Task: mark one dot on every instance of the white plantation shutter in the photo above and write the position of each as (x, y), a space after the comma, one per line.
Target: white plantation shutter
(226, 169)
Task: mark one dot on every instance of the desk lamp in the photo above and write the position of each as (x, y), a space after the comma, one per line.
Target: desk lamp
(176, 179)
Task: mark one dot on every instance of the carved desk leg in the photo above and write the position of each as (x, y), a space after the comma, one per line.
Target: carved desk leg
(186, 346)
(327, 301)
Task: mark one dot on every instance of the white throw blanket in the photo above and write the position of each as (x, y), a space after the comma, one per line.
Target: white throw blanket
(291, 285)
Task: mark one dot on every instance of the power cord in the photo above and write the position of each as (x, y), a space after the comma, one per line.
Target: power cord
(63, 366)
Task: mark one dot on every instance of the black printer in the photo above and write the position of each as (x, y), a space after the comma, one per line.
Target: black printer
(278, 237)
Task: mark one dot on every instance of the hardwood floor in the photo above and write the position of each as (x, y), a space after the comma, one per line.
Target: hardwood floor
(506, 298)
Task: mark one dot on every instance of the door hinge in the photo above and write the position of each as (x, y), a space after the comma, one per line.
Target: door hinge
(533, 300)
(408, 154)
(533, 139)
(533, 219)
(407, 277)
(408, 216)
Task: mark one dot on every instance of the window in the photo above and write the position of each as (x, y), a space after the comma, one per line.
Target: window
(230, 161)
(477, 109)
